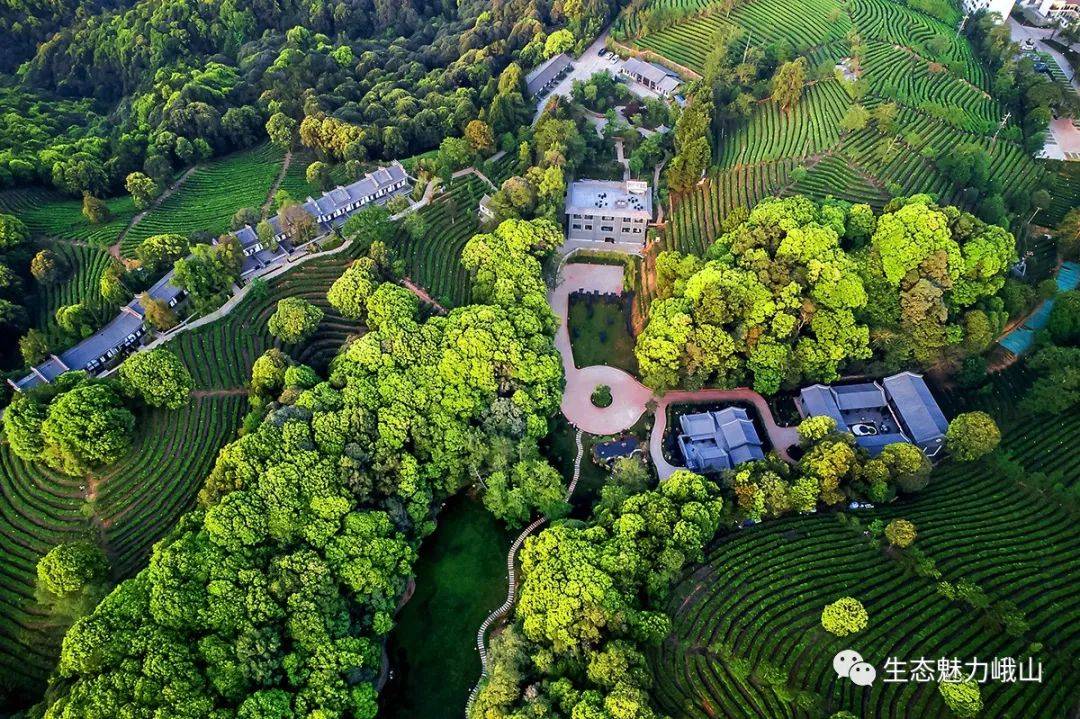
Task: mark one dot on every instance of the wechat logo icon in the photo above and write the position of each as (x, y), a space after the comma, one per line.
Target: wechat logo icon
(849, 664)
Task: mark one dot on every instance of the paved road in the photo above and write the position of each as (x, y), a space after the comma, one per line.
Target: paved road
(630, 397)
(1020, 33)
(585, 67)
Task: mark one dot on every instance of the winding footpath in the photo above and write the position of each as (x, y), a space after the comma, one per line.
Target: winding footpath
(277, 182)
(511, 590)
(630, 398)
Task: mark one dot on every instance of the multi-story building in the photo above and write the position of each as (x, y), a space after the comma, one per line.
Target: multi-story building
(1055, 11)
(1001, 7)
(607, 211)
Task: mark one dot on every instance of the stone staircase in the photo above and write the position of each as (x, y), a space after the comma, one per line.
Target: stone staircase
(511, 591)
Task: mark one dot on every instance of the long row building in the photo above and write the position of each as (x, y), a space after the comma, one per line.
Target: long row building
(330, 211)
(126, 331)
(115, 339)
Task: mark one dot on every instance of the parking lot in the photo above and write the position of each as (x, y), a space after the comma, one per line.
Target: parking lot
(584, 67)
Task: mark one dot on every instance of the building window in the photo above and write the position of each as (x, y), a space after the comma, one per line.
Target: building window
(577, 227)
(608, 219)
(626, 229)
(588, 227)
(637, 230)
(607, 228)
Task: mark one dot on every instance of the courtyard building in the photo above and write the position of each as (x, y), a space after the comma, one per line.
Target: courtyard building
(717, 441)
(658, 79)
(900, 408)
(256, 256)
(608, 211)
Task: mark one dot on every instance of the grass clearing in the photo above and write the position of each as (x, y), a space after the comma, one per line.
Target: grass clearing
(460, 578)
(600, 332)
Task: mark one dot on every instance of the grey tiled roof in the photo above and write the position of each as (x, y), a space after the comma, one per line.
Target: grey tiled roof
(247, 236)
(647, 70)
(819, 401)
(109, 337)
(859, 396)
(918, 410)
(903, 395)
(124, 329)
(546, 72)
(127, 327)
(340, 198)
(715, 441)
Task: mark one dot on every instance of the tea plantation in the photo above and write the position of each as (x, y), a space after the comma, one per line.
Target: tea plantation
(747, 626)
(126, 509)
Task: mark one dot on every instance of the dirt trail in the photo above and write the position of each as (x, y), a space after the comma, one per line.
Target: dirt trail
(277, 181)
(114, 249)
(233, 392)
(422, 294)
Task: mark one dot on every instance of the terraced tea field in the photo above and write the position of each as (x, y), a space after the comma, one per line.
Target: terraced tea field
(836, 176)
(220, 354)
(127, 508)
(928, 37)
(898, 74)
(81, 285)
(773, 133)
(209, 197)
(911, 59)
(694, 218)
(752, 610)
(434, 260)
(806, 26)
(51, 214)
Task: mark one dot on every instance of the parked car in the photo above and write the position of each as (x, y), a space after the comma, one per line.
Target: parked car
(603, 52)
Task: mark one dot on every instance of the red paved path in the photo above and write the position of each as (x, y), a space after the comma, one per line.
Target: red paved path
(629, 396)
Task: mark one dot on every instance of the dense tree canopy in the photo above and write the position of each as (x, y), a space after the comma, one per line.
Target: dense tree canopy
(972, 435)
(271, 598)
(71, 567)
(295, 320)
(780, 300)
(209, 272)
(158, 377)
(582, 624)
(352, 80)
(72, 425)
(844, 616)
(161, 251)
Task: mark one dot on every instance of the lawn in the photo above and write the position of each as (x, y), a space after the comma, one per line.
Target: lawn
(600, 333)
(460, 578)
